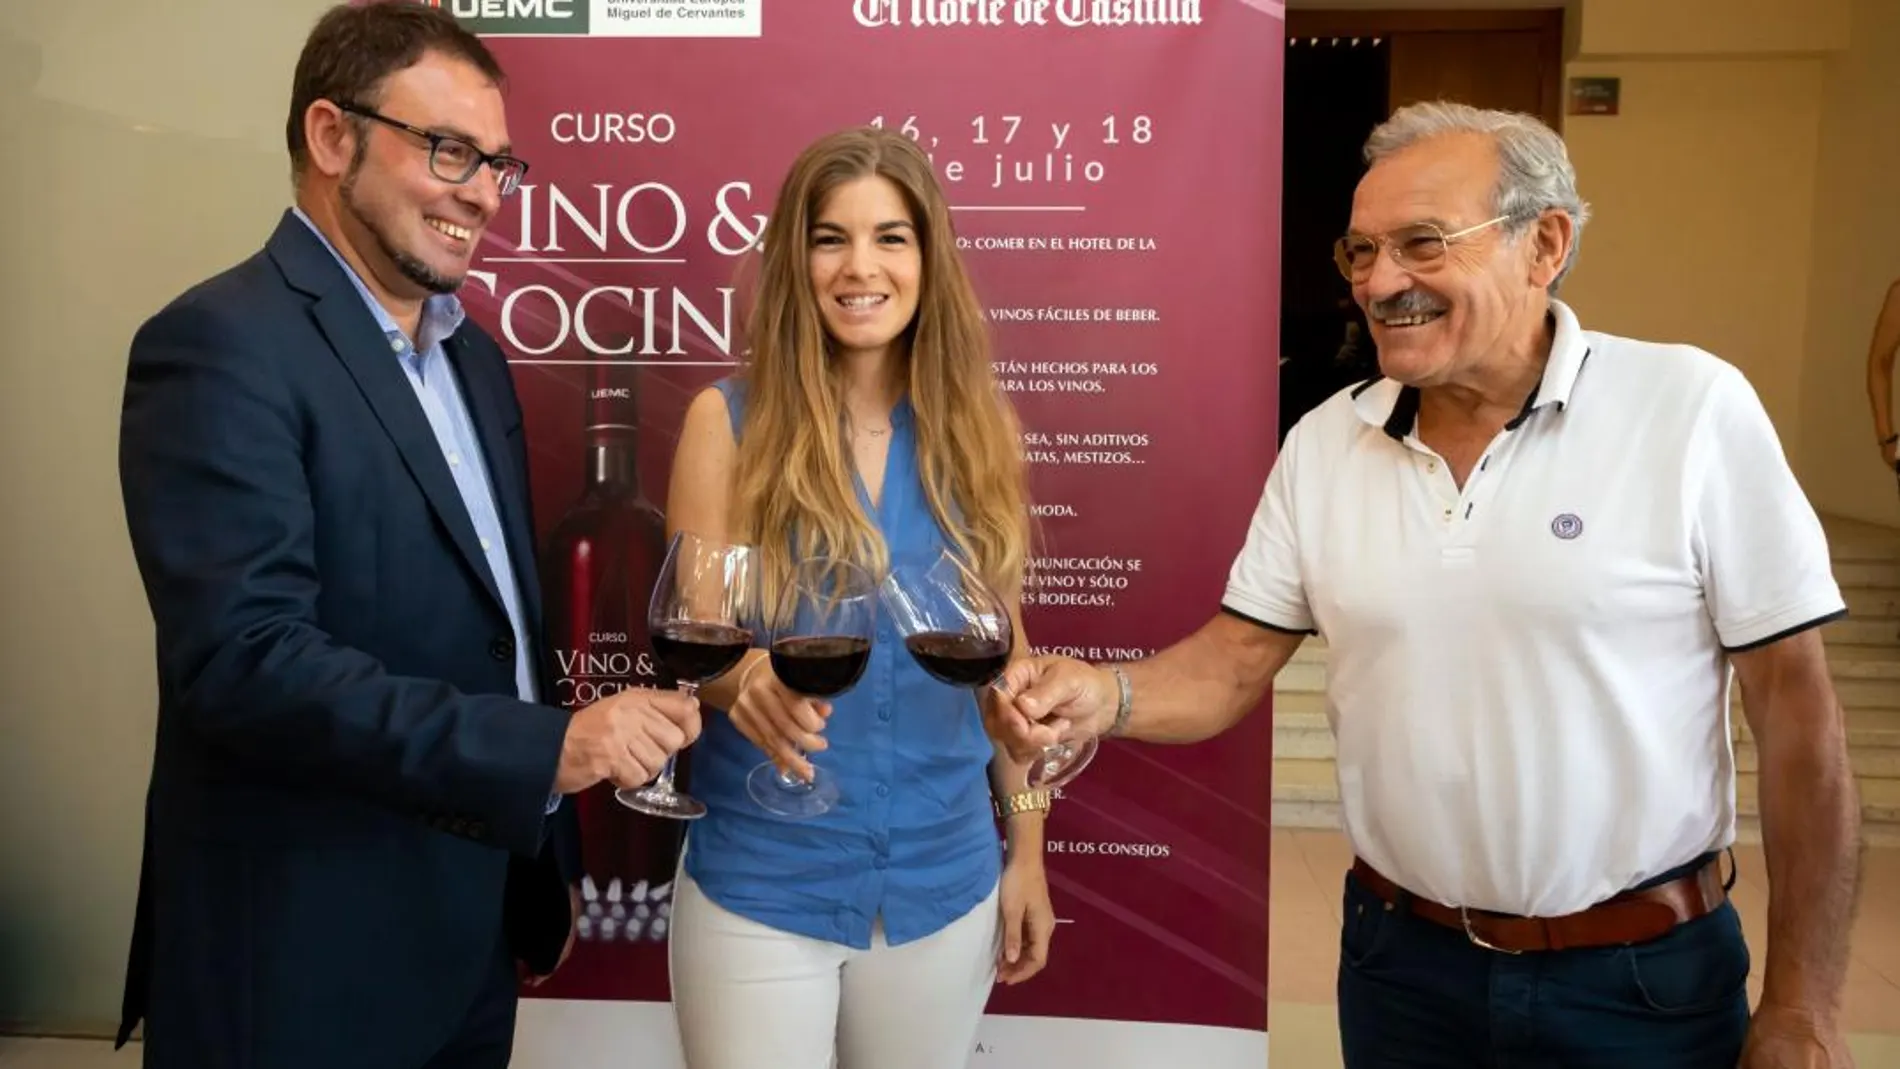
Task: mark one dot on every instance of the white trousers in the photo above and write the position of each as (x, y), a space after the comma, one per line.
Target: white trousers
(747, 996)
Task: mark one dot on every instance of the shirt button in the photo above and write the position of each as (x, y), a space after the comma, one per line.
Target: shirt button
(1432, 466)
(455, 460)
(880, 862)
(884, 713)
(395, 345)
(485, 541)
(883, 790)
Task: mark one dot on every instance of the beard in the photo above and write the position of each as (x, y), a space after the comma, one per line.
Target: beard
(412, 267)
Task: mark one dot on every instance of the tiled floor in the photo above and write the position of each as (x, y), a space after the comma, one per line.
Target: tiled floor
(1304, 948)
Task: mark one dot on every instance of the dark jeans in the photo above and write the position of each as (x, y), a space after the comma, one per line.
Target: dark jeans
(1417, 994)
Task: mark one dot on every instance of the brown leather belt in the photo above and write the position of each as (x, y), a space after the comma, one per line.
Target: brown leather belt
(1631, 917)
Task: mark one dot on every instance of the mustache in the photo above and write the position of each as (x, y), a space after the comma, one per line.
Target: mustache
(1408, 303)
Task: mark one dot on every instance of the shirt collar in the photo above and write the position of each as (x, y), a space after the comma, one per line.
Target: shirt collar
(1393, 408)
(442, 313)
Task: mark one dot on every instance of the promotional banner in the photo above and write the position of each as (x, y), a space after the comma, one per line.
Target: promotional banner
(1114, 168)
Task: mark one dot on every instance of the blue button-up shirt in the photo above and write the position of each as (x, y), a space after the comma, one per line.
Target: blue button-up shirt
(426, 366)
(912, 839)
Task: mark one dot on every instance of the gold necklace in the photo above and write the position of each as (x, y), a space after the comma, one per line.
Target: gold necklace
(874, 432)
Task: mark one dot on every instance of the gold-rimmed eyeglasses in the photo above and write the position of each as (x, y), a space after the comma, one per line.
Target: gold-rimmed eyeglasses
(452, 159)
(1417, 248)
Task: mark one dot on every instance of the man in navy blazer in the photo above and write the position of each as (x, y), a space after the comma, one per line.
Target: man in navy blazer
(356, 834)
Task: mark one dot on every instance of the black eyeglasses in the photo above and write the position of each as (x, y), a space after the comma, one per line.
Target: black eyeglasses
(452, 159)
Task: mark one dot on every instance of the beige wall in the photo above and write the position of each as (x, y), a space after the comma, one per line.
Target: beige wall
(1748, 201)
(1622, 28)
(146, 145)
(1856, 253)
(1713, 195)
(1703, 192)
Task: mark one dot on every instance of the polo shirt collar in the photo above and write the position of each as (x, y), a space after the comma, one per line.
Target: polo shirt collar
(1392, 407)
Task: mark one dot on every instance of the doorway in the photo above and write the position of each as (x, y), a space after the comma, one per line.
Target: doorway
(1346, 72)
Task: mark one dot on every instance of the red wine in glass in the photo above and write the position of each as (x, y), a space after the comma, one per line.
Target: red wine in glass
(821, 629)
(959, 631)
(821, 666)
(694, 621)
(961, 660)
(700, 651)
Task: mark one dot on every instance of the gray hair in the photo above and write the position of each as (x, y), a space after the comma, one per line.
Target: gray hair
(1534, 171)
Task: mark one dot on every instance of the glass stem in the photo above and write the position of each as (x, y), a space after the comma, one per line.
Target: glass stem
(791, 782)
(664, 782)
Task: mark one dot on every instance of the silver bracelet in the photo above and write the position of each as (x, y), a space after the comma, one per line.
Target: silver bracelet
(1127, 705)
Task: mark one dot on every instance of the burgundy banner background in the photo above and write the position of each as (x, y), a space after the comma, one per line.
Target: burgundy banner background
(1158, 857)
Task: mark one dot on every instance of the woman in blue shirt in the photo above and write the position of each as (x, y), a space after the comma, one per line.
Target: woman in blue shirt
(867, 425)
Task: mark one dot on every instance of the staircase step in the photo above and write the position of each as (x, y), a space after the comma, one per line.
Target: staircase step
(1297, 780)
(1302, 736)
(1848, 660)
(1873, 737)
(1879, 798)
(1874, 631)
(1855, 641)
(1307, 677)
(1299, 701)
(1857, 540)
(1306, 795)
(1874, 729)
(1867, 693)
(1871, 600)
(1870, 662)
(1868, 763)
(1867, 571)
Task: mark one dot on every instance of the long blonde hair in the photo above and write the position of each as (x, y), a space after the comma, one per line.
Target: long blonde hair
(793, 489)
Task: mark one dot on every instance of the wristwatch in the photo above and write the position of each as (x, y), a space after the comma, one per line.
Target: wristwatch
(1024, 802)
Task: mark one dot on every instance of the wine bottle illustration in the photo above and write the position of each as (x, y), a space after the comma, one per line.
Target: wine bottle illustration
(602, 561)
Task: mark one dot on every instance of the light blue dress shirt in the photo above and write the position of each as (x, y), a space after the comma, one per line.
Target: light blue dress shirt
(426, 366)
(912, 841)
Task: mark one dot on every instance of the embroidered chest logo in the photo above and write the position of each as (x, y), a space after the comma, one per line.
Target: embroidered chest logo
(1566, 526)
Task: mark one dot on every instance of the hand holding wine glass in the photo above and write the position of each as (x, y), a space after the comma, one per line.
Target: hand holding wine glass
(695, 621)
(1057, 699)
(625, 738)
(960, 632)
(784, 725)
(820, 632)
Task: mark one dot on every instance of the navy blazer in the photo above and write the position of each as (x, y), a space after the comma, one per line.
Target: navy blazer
(348, 801)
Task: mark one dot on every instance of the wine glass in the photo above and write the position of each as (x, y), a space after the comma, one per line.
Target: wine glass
(695, 623)
(959, 631)
(820, 635)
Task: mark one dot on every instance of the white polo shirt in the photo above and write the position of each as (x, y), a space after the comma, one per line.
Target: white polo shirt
(1528, 683)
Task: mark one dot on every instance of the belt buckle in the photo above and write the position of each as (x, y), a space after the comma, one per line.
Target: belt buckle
(1464, 918)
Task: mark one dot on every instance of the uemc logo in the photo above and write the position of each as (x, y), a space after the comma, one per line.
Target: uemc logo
(519, 17)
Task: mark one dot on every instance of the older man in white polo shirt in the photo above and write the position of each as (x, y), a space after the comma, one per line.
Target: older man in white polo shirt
(1535, 552)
